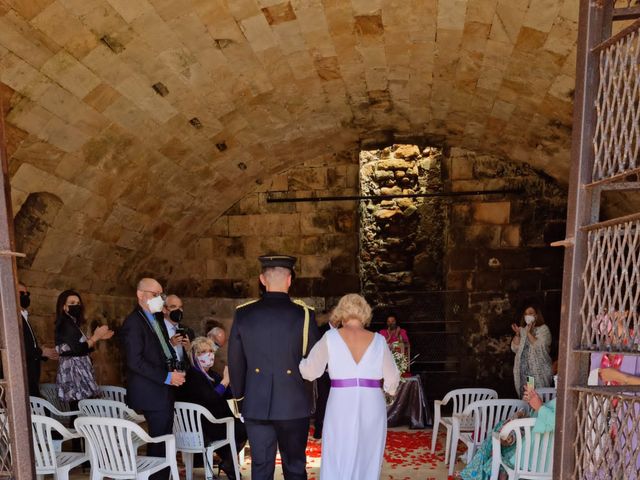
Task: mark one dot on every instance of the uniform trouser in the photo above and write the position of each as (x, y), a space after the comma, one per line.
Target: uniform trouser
(290, 436)
(159, 422)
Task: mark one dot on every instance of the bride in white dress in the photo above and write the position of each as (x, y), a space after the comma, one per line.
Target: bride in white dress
(360, 366)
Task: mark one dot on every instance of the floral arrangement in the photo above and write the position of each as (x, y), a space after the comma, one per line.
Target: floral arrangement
(402, 362)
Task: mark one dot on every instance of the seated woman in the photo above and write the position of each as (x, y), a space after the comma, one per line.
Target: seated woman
(208, 389)
(480, 466)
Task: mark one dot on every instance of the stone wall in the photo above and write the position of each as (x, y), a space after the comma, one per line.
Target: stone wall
(323, 235)
(458, 270)
(498, 259)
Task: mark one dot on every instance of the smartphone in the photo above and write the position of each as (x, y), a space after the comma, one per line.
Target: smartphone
(531, 382)
(181, 331)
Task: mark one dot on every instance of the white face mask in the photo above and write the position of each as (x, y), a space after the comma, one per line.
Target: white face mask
(155, 304)
(206, 360)
(529, 319)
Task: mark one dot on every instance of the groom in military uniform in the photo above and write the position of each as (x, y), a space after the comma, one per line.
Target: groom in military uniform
(268, 339)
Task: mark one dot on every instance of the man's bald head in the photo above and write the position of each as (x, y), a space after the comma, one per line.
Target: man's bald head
(147, 289)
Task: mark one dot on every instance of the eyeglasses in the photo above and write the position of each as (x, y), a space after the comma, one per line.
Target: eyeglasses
(156, 294)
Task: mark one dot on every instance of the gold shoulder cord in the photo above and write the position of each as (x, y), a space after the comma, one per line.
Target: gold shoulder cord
(305, 329)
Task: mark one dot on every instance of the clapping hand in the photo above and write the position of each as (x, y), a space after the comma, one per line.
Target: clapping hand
(103, 332)
(515, 329)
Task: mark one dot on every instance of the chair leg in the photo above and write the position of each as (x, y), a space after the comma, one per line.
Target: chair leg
(187, 458)
(447, 444)
(453, 450)
(232, 445)
(207, 456)
(174, 469)
(434, 434)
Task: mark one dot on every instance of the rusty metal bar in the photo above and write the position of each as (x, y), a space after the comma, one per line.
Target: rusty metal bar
(610, 223)
(613, 179)
(593, 28)
(618, 36)
(390, 197)
(626, 13)
(16, 394)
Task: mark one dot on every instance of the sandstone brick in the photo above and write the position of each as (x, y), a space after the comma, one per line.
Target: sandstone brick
(496, 213)
(487, 236)
(510, 236)
(314, 265)
(406, 151)
(216, 268)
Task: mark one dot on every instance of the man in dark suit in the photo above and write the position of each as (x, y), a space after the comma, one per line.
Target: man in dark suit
(268, 339)
(179, 334)
(33, 354)
(150, 362)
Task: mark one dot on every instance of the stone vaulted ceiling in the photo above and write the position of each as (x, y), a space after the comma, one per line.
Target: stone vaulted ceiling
(148, 119)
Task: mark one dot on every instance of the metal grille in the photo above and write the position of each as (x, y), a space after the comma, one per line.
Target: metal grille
(5, 451)
(606, 446)
(617, 135)
(611, 280)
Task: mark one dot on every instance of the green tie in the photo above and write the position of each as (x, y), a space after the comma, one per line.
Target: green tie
(163, 342)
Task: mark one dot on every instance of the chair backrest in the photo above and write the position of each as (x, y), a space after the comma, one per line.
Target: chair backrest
(547, 393)
(98, 407)
(50, 392)
(111, 392)
(462, 397)
(534, 451)
(43, 445)
(486, 414)
(111, 444)
(187, 426)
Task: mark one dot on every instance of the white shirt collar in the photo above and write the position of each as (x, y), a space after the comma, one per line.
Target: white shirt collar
(171, 328)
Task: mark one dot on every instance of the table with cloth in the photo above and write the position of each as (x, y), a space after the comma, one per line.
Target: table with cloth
(409, 405)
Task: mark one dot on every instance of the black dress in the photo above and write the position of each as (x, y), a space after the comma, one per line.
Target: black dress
(201, 390)
(75, 379)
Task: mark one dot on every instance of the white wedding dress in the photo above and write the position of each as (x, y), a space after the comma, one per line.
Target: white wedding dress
(355, 423)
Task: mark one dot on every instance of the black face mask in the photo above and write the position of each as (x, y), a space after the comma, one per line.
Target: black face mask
(175, 315)
(25, 300)
(74, 311)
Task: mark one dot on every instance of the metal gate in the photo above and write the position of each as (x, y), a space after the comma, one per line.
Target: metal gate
(598, 428)
(16, 453)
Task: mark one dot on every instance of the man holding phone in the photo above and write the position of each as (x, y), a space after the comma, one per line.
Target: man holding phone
(179, 335)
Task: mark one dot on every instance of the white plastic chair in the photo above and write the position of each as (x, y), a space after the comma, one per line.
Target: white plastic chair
(233, 406)
(49, 391)
(187, 428)
(546, 394)
(112, 449)
(459, 398)
(111, 392)
(40, 406)
(49, 460)
(486, 414)
(98, 407)
(533, 455)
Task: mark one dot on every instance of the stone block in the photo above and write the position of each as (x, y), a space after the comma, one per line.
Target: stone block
(462, 167)
(320, 222)
(487, 236)
(216, 268)
(510, 236)
(406, 151)
(393, 164)
(495, 213)
(314, 265)
(308, 179)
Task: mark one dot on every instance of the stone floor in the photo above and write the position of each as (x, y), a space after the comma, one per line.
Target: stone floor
(407, 457)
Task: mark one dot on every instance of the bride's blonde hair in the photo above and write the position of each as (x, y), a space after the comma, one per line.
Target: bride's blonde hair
(351, 306)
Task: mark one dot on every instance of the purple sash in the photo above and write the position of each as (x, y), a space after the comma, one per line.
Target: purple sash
(356, 382)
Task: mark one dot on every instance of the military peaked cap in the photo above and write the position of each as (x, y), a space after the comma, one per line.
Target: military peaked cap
(285, 261)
